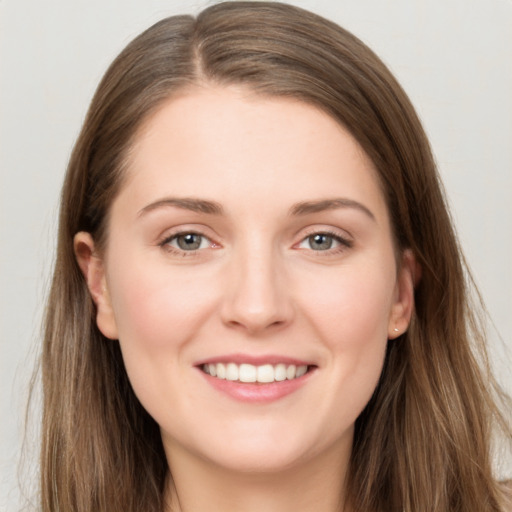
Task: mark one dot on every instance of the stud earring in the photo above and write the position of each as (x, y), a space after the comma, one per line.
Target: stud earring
(395, 329)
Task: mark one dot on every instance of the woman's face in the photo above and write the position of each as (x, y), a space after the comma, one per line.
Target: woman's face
(250, 242)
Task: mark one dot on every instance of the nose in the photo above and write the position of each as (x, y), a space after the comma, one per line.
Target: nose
(257, 297)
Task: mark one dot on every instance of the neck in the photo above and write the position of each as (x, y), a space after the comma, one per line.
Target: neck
(201, 486)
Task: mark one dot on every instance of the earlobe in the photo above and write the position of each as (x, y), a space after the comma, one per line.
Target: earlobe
(408, 276)
(92, 267)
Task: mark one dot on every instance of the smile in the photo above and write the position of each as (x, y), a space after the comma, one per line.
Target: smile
(248, 373)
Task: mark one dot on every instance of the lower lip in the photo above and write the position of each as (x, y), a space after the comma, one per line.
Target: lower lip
(257, 392)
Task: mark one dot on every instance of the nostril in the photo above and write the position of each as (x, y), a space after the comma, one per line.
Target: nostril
(256, 325)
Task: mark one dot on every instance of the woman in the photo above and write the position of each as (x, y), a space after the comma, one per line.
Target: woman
(258, 286)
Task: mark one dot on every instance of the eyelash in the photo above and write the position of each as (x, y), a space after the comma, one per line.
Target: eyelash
(165, 243)
(344, 243)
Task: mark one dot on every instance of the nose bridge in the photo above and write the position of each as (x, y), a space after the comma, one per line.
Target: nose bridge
(257, 295)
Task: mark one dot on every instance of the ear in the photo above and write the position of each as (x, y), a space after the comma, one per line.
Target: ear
(408, 276)
(92, 268)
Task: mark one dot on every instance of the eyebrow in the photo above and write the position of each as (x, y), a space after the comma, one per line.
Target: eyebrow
(214, 208)
(308, 207)
(185, 203)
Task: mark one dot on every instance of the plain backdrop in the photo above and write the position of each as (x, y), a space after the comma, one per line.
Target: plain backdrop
(453, 57)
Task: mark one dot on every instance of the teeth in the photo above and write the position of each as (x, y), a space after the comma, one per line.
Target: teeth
(249, 373)
(265, 373)
(232, 371)
(301, 370)
(280, 372)
(221, 371)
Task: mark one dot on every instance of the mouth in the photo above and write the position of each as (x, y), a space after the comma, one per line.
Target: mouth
(256, 379)
(255, 374)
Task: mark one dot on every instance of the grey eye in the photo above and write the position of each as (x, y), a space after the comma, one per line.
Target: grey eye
(189, 241)
(320, 241)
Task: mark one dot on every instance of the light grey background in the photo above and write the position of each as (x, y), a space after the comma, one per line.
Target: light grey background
(454, 58)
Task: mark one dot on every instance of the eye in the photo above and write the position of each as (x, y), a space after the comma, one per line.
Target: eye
(187, 242)
(323, 242)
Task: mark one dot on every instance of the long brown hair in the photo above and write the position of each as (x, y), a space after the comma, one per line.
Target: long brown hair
(423, 441)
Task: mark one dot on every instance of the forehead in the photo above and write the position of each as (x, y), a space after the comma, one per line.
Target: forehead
(230, 144)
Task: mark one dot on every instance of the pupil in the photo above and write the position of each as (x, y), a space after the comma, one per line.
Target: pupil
(189, 242)
(320, 242)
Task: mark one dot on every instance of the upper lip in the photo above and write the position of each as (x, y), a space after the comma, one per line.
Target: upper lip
(260, 360)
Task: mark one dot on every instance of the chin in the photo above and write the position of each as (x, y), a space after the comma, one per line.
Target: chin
(259, 448)
(259, 460)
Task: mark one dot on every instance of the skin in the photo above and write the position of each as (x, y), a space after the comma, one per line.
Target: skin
(258, 285)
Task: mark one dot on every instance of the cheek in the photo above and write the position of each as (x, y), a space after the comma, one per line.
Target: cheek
(351, 310)
(157, 307)
(157, 310)
(350, 317)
